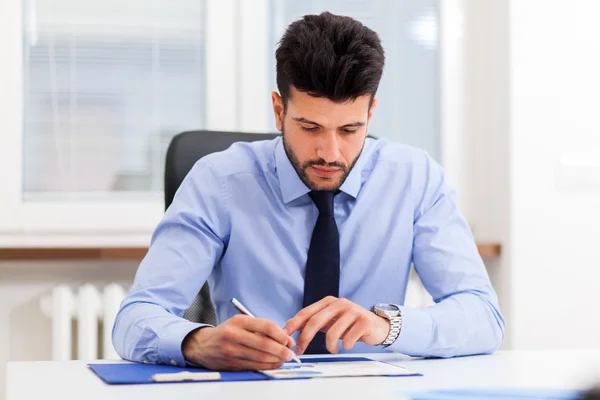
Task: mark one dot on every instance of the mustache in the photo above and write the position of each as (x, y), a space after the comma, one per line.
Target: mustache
(322, 163)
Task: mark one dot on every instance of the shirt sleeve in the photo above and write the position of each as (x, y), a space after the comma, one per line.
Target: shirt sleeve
(186, 245)
(466, 318)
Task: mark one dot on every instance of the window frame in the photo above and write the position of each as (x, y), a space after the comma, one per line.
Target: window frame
(236, 68)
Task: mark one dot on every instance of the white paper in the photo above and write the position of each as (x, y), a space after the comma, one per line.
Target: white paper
(336, 369)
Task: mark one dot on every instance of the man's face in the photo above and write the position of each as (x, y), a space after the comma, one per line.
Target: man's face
(321, 138)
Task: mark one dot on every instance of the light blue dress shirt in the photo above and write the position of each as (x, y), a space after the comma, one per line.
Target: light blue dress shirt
(242, 219)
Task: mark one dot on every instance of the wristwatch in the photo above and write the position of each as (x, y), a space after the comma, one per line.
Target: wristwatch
(393, 314)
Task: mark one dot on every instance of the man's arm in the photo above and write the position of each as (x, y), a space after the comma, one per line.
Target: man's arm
(466, 318)
(185, 246)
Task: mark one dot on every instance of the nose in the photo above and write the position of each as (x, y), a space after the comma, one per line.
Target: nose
(328, 148)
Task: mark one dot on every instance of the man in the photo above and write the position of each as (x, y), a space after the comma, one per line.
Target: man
(311, 231)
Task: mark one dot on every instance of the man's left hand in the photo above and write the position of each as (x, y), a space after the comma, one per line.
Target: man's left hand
(340, 319)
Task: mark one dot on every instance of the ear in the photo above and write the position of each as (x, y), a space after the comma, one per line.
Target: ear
(278, 110)
(373, 105)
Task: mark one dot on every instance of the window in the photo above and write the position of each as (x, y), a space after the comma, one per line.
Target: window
(93, 91)
(106, 86)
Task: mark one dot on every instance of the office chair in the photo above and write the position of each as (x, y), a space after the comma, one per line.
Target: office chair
(184, 150)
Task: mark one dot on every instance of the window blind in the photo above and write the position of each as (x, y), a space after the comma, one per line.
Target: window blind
(106, 86)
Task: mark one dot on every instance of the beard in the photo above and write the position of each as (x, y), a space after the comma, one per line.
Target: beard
(301, 168)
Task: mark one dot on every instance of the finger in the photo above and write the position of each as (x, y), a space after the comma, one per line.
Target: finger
(329, 324)
(318, 322)
(337, 330)
(300, 319)
(264, 344)
(357, 330)
(324, 328)
(260, 356)
(264, 327)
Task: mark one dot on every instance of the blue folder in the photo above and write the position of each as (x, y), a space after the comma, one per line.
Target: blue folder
(127, 374)
(123, 374)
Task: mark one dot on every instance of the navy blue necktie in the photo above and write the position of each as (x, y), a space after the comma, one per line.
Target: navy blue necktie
(322, 276)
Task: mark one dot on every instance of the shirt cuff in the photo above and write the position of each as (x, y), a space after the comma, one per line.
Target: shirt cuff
(171, 338)
(415, 332)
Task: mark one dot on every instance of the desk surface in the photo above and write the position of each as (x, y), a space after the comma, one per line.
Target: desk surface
(577, 369)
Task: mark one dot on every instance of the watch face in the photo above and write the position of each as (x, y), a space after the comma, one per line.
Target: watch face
(387, 307)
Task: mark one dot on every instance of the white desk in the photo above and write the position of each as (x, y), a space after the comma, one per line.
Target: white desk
(577, 369)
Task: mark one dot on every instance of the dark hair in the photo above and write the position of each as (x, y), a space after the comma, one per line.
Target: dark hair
(329, 56)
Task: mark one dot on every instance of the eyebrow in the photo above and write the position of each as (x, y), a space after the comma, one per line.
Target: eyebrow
(307, 121)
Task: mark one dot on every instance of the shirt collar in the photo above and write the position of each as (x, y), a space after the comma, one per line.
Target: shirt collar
(292, 186)
(353, 182)
(290, 183)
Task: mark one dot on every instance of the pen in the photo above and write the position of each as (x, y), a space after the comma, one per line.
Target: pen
(240, 307)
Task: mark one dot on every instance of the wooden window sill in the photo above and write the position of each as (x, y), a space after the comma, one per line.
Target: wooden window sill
(487, 250)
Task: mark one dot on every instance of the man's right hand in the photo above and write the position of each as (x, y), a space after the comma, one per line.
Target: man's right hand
(240, 343)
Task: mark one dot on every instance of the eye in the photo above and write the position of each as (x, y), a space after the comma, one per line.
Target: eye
(349, 131)
(307, 129)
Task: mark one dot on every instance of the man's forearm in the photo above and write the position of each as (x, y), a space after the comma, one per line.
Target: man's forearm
(463, 324)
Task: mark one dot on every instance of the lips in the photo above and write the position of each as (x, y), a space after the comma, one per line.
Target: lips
(325, 172)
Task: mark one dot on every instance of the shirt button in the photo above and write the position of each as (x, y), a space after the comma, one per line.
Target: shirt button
(146, 362)
(173, 362)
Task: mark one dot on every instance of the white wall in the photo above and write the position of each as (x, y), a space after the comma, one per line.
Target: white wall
(532, 99)
(554, 107)
(486, 147)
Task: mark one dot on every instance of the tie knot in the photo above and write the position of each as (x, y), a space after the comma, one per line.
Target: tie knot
(323, 200)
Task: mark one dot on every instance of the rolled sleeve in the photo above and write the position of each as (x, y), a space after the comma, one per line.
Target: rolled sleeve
(415, 331)
(171, 338)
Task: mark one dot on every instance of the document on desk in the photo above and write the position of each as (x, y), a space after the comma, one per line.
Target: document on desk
(337, 369)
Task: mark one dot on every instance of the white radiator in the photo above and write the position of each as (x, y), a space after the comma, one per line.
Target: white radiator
(87, 306)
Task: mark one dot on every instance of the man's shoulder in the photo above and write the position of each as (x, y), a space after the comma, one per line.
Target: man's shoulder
(241, 157)
(414, 167)
(400, 156)
(403, 163)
